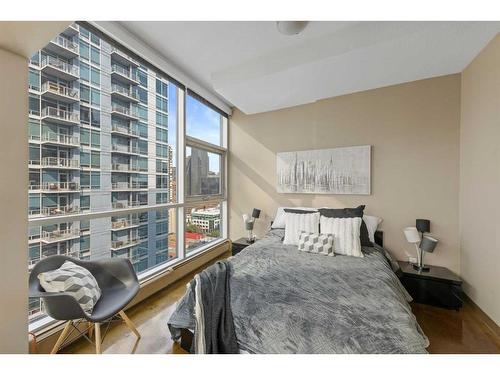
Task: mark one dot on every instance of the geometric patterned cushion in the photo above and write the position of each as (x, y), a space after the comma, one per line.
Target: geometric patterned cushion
(316, 243)
(74, 280)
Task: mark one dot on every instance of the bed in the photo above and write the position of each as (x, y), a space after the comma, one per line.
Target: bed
(287, 301)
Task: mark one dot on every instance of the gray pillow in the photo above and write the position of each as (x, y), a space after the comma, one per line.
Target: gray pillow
(74, 280)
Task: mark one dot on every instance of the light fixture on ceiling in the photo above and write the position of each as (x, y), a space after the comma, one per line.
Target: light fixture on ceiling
(291, 27)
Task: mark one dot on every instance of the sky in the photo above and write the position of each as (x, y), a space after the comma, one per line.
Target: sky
(202, 122)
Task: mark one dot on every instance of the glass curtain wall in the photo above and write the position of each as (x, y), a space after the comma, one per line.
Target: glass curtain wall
(109, 132)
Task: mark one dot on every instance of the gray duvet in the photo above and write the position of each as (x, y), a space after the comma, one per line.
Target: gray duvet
(287, 301)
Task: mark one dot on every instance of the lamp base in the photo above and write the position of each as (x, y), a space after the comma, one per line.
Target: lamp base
(421, 268)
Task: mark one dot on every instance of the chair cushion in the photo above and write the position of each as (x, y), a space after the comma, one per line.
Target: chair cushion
(75, 281)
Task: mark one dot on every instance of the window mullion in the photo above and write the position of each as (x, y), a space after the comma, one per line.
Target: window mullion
(181, 152)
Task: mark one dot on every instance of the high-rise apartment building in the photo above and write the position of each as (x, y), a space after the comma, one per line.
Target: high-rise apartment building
(99, 141)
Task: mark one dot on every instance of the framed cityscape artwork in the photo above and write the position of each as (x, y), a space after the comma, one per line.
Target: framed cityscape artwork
(341, 170)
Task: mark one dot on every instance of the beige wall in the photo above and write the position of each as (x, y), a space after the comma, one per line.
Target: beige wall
(13, 203)
(414, 131)
(480, 180)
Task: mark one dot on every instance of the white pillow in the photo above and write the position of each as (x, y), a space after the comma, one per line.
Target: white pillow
(316, 243)
(298, 223)
(279, 219)
(372, 223)
(345, 233)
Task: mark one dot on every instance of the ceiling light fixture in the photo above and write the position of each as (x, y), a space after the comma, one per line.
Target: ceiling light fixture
(291, 27)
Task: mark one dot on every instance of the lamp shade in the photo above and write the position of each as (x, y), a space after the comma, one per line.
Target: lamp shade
(411, 234)
(249, 225)
(423, 225)
(428, 244)
(256, 213)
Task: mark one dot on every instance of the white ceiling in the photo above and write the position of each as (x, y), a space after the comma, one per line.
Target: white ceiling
(253, 67)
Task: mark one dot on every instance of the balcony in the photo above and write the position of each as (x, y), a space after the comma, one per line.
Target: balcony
(122, 244)
(63, 47)
(33, 113)
(72, 30)
(59, 210)
(124, 204)
(123, 75)
(137, 258)
(59, 163)
(60, 139)
(59, 68)
(124, 93)
(60, 187)
(60, 235)
(121, 130)
(125, 185)
(62, 93)
(60, 116)
(123, 112)
(125, 168)
(122, 58)
(122, 149)
(122, 224)
(33, 261)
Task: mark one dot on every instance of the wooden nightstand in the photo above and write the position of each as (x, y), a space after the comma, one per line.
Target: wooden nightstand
(240, 244)
(438, 287)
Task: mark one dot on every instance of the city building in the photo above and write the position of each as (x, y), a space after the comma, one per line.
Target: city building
(206, 220)
(200, 179)
(99, 141)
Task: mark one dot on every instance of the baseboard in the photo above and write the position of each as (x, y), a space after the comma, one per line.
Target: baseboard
(46, 340)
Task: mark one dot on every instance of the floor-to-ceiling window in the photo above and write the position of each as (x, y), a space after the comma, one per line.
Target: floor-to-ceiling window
(204, 173)
(124, 161)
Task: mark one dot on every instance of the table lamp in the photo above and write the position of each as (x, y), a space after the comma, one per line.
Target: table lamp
(423, 226)
(249, 223)
(423, 244)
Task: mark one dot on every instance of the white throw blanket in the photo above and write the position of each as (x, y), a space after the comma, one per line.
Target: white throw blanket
(199, 332)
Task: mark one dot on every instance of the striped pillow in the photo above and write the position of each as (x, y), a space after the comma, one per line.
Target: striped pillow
(74, 280)
(345, 233)
(295, 223)
(316, 243)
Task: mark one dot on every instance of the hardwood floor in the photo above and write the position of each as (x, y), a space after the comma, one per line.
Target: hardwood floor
(150, 317)
(457, 332)
(449, 331)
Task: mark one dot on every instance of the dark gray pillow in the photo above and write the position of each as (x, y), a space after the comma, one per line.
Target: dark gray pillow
(350, 212)
(298, 211)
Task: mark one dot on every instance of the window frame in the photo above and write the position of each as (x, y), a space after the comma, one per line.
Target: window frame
(182, 141)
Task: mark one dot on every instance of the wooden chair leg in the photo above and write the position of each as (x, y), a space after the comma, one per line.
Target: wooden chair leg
(91, 330)
(61, 338)
(129, 324)
(98, 338)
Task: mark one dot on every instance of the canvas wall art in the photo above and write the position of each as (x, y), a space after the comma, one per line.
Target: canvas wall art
(342, 170)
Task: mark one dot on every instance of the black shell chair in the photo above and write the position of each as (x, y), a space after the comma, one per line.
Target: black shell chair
(117, 281)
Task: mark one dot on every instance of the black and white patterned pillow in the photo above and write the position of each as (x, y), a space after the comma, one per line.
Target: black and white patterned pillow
(316, 243)
(74, 280)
